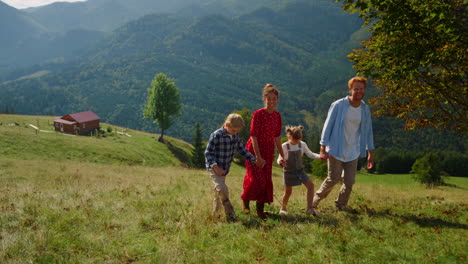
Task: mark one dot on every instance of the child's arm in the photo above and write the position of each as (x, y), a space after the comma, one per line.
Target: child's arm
(244, 152)
(308, 152)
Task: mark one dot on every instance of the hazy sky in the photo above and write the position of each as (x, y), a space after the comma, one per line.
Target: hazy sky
(18, 4)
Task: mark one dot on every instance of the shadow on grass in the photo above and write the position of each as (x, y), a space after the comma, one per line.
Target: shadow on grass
(420, 220)
(330, 218)
(180, 154)
(452, 186)
(254, 222)
(432, 222)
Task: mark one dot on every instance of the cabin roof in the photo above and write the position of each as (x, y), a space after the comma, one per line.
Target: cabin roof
(82, 116)
(64, 121)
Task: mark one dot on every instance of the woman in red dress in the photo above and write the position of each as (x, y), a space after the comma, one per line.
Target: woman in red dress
(265, 132)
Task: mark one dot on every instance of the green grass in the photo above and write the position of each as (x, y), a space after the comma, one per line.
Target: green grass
(79, 210)
(24, 142)
(69, 212)
(403, 180)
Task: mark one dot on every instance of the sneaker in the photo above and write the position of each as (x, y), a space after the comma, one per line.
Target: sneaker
(283, 212)
(231, 217)
(312, 211)
(340, 207)
(263, 215)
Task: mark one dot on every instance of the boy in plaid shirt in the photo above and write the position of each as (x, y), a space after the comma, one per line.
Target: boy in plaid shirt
(219, 153)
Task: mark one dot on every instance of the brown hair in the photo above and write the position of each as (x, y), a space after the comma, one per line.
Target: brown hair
(357, 79)
(295, 132)
(235, 120)
(270, 88)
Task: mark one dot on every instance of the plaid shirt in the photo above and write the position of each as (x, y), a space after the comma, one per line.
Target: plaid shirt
(221, 148)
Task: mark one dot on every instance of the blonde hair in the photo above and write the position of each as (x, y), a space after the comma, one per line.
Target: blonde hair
(270, 88)
(357, 79)
(234, 120)
(295, 132)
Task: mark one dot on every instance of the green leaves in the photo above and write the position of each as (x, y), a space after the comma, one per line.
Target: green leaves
(198, 153)
(417, 56)
(163, 101)
(427, 170)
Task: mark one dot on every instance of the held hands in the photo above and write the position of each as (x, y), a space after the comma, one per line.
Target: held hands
(260, 162)
(283, 163)
(217, 170)
(324, 155)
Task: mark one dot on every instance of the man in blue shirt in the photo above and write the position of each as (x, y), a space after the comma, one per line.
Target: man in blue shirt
(346, 136)
(219, 153)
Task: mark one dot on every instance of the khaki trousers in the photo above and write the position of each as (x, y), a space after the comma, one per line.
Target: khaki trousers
(221, 194)
(337, 170)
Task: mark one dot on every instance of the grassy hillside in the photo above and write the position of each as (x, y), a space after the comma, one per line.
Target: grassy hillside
(68, 212)
(21, 141)
(87, 205)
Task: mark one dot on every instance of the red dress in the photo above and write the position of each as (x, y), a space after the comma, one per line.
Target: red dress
(258, 184)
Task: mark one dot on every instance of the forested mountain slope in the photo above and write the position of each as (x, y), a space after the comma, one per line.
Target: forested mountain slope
(99, 15)
(220, 64)
(108, 15)
(17, 29)
(25, 41)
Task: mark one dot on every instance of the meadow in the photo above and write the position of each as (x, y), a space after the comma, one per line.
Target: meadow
(121, 146)
(80, 209)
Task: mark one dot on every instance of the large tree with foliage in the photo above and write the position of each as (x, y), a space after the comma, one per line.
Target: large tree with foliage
(417, 56)
(162, 103)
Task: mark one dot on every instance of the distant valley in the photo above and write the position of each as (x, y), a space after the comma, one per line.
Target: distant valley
(220, 53)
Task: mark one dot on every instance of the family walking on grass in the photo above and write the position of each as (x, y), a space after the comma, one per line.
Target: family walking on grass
(346, 136)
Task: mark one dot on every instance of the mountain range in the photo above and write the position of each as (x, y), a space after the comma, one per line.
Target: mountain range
(101, 55)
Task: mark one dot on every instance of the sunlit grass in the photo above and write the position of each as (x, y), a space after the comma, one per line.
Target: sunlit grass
(120, 199)
(70, 212)
(19, 140)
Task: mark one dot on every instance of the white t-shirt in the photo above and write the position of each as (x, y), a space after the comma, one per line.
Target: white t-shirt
(351, 134)
(305, 149)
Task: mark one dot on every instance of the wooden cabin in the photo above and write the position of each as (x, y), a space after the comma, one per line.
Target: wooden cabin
(77, 123)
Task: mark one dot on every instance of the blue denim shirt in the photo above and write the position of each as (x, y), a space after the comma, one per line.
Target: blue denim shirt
(333, 129)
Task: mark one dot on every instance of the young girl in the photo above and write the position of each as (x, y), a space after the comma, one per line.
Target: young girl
(293, 171)
(265, 132)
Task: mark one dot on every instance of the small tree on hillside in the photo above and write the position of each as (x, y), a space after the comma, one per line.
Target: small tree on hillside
(319, 169)
(427, 170)
(198, 153)
(162, 103)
